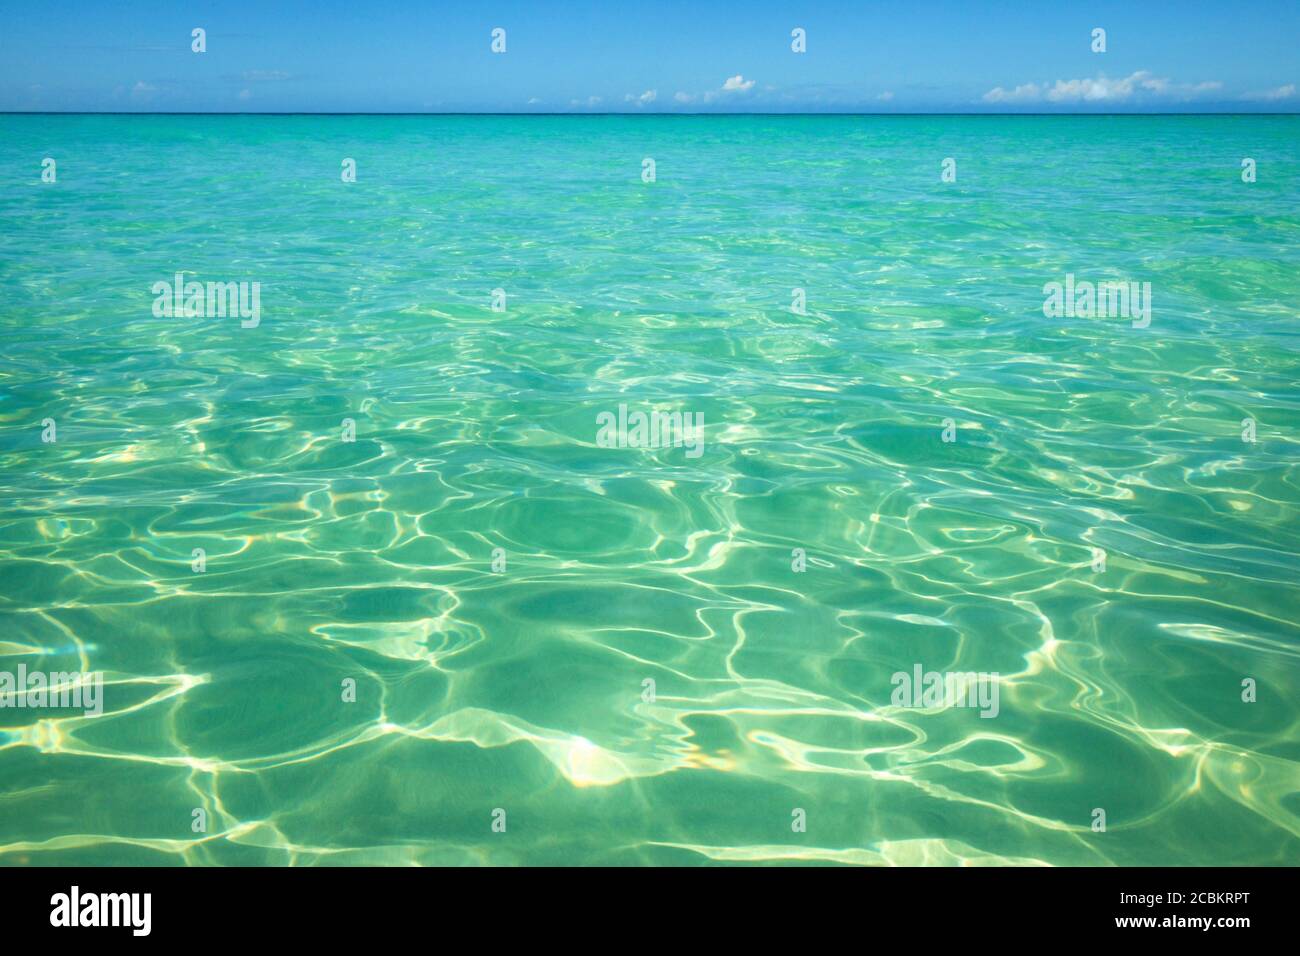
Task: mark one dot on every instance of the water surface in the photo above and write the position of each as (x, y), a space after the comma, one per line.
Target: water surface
(525, 690)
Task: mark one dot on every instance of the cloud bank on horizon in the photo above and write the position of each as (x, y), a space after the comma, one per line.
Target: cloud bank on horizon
(673, 56)
(1138, 85)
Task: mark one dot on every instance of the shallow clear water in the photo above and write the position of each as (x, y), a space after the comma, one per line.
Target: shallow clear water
(523, 690)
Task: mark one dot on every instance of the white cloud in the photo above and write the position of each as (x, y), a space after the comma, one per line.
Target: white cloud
(1025, 93)
(142, 90)
(1280, 93)
(732, 85)
(245, 94)
(649, 96)
(886, 96)
(1100, 89)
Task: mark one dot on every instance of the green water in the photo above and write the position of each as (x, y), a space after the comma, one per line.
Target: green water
(523, 689)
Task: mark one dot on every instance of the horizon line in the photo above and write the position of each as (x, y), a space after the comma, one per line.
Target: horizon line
(648, 115)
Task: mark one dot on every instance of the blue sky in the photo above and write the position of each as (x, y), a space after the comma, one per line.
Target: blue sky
(650, 57)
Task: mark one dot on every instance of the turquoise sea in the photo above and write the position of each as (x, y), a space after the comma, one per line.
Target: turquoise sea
(568, 653)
